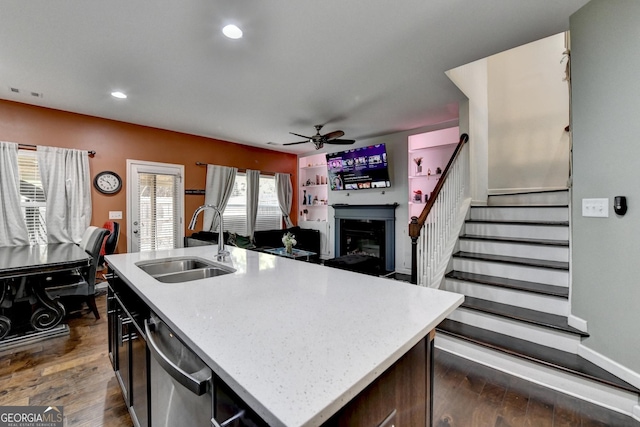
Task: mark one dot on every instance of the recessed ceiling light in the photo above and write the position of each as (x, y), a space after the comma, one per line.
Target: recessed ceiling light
(232, 31)
(119, 95)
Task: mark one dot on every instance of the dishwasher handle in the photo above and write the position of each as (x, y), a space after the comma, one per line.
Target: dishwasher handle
(195, 382)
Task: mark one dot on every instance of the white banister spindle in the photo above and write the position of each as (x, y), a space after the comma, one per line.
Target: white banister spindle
(441, 226)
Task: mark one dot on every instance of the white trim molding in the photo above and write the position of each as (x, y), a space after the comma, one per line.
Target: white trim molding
(578, 323)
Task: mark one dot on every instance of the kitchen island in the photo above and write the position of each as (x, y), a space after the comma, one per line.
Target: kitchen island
(296, 341)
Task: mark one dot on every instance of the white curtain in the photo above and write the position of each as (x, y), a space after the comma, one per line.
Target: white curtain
(67, 187)
(12, 224)
(285, 196)
(220, 180)
(253, 193)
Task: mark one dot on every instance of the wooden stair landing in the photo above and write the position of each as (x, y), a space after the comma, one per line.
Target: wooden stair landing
(567, 362)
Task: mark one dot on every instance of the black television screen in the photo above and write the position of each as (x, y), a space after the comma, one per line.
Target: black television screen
(359, 168)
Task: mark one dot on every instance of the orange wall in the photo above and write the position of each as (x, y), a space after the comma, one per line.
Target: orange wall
(115, 142)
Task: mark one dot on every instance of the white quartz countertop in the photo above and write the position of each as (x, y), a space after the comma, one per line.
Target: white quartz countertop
(296, 341)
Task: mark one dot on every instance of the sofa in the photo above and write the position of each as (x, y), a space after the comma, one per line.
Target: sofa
(308, 240)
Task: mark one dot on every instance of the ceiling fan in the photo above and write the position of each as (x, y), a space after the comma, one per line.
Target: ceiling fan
(319, 140)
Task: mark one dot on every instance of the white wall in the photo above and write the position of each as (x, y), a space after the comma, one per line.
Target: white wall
(472, 81)
(606, 108)
(518, 109)
(397, 146)
(528, 105)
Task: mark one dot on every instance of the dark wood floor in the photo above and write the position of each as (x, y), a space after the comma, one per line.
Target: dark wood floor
(74, 371)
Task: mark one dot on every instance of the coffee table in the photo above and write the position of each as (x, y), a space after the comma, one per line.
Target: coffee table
(297, 253)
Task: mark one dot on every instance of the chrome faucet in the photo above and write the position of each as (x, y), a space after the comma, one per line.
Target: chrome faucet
(222, 252)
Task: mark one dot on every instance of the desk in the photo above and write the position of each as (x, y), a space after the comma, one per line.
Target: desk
(18, 263)
(297, 253)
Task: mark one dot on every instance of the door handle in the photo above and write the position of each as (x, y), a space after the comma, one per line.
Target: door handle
(195, 382)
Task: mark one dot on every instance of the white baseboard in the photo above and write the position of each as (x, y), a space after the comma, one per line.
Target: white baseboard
(612, 366)
(578, 323)
(479, 202)
(608, 397)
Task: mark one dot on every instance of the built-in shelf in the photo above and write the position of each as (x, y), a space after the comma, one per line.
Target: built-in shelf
(433, 175)
(435, 148)
(313, 170)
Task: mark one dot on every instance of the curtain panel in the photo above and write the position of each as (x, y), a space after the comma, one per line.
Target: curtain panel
(67, 187)
(12, 224)
(219, 186)
(253, 197)
(285, 196)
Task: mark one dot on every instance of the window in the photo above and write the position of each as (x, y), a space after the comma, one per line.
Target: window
(158, 195)
(269, 215)
(32, 199)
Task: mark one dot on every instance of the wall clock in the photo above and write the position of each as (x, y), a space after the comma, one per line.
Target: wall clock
(107, 182)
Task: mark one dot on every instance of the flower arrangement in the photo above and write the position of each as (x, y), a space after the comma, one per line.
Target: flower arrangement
(289, 241)
(418, 162)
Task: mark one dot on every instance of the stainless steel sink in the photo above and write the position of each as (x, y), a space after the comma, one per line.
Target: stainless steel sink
(185, 269)
(185, 276)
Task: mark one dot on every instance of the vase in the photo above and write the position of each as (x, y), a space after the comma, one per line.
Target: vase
(288, 249)
(418, 169)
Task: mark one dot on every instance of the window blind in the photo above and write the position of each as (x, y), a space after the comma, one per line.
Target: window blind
(235, 214)
(157, 207)
(32, 198)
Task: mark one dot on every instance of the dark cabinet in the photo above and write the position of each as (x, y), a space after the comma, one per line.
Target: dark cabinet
(128, 348)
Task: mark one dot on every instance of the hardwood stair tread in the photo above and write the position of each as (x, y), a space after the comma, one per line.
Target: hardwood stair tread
(521, 285)
(548, 356)
(529, 262)
(522, 240)
(519, 222)
(534, 317)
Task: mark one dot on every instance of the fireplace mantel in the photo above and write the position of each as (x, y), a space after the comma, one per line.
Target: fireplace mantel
(384, 213)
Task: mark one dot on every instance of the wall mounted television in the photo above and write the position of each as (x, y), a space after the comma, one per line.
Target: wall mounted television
(359, 168)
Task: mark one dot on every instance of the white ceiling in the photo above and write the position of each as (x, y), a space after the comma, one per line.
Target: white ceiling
(366, 67)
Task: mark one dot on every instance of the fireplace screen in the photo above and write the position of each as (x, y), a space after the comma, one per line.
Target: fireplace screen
(362, 237)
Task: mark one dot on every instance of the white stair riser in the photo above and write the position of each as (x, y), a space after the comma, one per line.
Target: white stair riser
(520, 250)
(512, 271)
(532, 301)
(564, 382)
(525, 331)
(520, 214)
(555, 198)
(518, 231)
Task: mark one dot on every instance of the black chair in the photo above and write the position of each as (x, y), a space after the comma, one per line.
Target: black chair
(81, 282)
(110, 242)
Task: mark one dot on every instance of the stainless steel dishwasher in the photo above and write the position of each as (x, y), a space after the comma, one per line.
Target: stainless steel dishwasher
(184, 391)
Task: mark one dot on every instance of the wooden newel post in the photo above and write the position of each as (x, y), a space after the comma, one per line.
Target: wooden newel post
(414, 233)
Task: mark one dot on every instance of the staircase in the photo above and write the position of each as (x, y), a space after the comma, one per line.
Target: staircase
(513, 268)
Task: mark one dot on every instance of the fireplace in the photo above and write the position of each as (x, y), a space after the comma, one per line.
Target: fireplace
(367, 230)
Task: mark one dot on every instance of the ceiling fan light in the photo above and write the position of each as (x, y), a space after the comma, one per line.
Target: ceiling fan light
(232, 31)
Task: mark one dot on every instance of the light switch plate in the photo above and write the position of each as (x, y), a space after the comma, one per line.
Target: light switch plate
(597, 208)
(115, 214)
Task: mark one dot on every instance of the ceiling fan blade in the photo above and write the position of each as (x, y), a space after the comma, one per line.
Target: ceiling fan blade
(341, 141)
(301, 136)
(294, 143)
(333, 135)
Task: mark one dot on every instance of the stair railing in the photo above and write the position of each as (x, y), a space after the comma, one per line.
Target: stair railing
(433, 232)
